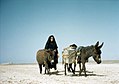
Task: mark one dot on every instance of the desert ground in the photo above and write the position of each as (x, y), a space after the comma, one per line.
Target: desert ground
(105, 73)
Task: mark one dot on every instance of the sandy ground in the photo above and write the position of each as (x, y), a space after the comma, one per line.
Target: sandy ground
(29, 74)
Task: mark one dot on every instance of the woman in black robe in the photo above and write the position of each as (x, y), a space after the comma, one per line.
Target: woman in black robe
(51, 44)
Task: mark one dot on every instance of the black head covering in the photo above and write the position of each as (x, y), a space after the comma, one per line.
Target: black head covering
(50, 38)
(51, 45)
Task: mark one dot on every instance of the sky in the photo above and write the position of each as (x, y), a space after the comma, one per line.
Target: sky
(25, 26)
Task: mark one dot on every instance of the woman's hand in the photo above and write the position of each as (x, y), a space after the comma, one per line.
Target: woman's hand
(55, 50)
(58, 55)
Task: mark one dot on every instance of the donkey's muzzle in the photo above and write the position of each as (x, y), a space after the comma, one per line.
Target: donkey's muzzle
(52, 61)
(99, 61)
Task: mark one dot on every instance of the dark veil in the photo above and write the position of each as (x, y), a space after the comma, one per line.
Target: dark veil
(49, 41)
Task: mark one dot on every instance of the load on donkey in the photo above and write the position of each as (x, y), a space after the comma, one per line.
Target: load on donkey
(68, 57)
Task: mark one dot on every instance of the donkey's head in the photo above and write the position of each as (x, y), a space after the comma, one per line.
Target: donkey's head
(51, 55)
(97, 52)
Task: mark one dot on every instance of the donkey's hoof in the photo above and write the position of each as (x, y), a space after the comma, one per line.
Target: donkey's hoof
(73, 71)
(79, 75)
(86, 75)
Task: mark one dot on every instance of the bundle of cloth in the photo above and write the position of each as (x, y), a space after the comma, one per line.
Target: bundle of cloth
(69, 54)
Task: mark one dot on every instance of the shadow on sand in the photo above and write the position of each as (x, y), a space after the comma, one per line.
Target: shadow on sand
(89, 73)
(56, 73)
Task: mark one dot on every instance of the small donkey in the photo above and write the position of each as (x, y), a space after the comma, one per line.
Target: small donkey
(85, 52)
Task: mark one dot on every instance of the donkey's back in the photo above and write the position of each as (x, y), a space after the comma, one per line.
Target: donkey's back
(40, 56)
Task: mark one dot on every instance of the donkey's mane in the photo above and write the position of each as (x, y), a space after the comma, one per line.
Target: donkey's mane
(88, 50)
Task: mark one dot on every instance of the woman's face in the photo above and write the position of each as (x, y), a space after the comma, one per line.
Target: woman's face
(51, 39)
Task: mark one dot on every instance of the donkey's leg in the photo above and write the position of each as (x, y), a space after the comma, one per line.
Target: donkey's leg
(81, 69)
(65, 68)
(84, 67)
(40, 67)
(55, 66)
(80, 66)
(70, 66)
(74, 66)
(45, 70)
(48, 70)
(46, 67)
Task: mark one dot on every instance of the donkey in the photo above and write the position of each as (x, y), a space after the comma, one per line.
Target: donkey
(45, 57)
(85, 52)
(68, 57)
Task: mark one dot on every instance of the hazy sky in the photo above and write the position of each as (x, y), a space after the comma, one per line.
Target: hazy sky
(25, 26)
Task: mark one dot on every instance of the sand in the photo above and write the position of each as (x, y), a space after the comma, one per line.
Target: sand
(29, 74)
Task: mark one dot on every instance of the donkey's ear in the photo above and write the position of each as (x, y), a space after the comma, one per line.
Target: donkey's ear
(96, 45)
(101, 45)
